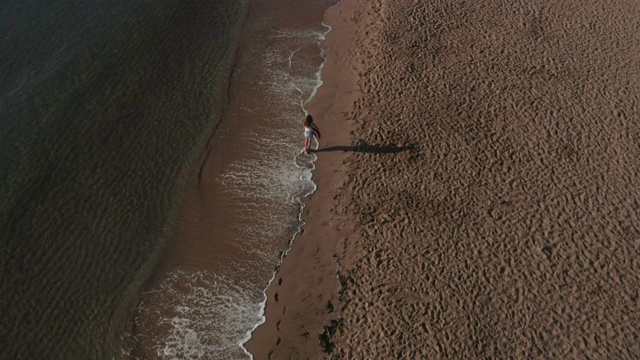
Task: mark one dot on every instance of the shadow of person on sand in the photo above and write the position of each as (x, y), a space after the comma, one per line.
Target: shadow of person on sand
(363, 147)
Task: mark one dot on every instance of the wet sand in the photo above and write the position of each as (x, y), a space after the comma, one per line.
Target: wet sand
(302, 299)
(486, 205)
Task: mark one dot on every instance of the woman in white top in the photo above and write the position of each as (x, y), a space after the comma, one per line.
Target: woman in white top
(310, 131)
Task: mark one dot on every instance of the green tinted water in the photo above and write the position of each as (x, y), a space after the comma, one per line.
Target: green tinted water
(102, 108)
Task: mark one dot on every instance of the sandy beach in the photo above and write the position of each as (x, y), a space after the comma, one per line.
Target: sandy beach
(477, 187)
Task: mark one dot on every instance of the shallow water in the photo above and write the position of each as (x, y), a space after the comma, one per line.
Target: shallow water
(209, 292)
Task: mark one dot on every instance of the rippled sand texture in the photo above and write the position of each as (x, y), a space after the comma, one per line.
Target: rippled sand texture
(512, 228)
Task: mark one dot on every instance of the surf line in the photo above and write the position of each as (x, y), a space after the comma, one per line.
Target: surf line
(308, 173)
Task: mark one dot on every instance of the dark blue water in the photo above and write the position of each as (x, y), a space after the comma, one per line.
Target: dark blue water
(104, 107)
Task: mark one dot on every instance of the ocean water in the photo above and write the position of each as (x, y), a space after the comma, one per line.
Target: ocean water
(105, 111)
(103, 108)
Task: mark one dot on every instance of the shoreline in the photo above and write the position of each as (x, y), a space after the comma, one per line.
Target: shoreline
(225, 239)
(301, 199)
(309, 266)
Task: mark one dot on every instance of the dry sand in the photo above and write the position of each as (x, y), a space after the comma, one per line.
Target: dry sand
(491, 206)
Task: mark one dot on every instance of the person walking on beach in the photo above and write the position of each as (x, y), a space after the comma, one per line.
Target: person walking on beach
(310, 131)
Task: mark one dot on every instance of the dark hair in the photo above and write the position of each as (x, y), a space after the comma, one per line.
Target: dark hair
(308, 120)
